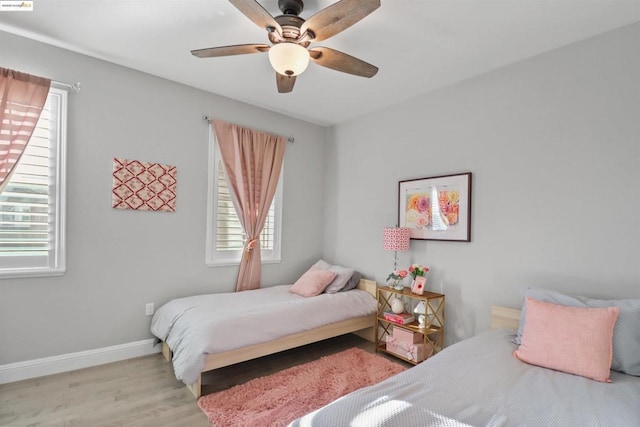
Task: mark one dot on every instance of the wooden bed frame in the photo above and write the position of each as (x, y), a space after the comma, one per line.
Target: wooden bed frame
(504, 317)
(363, 326)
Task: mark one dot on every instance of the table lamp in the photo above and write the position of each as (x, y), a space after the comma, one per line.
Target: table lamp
(396, 239)
(421, 310)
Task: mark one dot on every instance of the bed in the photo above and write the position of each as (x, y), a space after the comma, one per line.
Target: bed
(478, 382)
(244, 326)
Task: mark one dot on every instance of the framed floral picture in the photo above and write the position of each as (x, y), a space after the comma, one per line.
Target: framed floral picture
(436, 208)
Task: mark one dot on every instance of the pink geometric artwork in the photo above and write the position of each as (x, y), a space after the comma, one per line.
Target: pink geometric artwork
(144, 186)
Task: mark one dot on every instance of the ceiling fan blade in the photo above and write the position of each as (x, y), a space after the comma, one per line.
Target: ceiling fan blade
(238, 49)
(338, 17)
(285, 83)
(339, 61)
(258, 14)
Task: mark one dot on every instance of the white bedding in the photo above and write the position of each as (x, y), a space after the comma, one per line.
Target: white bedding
(478, 382)
(194, 327)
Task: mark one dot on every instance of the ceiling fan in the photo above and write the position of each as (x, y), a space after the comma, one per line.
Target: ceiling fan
(290, 36)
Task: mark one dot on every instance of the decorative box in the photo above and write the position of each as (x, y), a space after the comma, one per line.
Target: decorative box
(413, 352)
(407, 337)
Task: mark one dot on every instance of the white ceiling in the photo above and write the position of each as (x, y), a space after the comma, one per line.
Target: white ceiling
(418, 45)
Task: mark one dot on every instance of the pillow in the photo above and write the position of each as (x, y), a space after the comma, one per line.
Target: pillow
(313, 282)
(353, 282)
(322, 265)
(574, 340)
(343, 275)
(626, 334)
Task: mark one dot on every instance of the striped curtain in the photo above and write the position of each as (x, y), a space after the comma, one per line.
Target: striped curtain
(23, 97)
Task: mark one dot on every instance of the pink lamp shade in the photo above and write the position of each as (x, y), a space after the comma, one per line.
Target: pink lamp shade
(396, 239)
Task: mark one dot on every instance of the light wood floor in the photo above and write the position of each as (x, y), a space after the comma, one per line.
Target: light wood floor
(140, 392)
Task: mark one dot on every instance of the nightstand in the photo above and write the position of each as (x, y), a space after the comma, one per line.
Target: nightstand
(408, 341)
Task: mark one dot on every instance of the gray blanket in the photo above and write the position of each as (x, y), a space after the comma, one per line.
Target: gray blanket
(477, 382)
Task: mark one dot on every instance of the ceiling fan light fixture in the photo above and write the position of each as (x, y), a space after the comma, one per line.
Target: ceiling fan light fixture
(288, 59)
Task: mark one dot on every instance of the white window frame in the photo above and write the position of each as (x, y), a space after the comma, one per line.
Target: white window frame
(215, 257)
(55, 263)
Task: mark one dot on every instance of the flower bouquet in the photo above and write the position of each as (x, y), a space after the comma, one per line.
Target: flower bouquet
(418, 272)
(396, 279)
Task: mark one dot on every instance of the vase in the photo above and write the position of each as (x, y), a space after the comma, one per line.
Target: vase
(397, 306)
(397, 284)
(417, 287)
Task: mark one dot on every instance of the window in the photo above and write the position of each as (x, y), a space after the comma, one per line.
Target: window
(225, 237)
(32, 216)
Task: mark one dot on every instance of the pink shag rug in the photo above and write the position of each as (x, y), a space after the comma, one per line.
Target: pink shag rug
(278, 399)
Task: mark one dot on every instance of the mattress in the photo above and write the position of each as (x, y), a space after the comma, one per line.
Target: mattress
(477, 382)
(197, 326)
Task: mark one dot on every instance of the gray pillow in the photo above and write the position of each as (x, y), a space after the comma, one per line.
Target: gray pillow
(353, 282)
(626, 333)
(343, 275)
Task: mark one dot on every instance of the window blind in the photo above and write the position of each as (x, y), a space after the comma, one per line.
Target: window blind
(24, 203)
(230, 236)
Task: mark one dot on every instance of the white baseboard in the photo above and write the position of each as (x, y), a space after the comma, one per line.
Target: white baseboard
(19, 371)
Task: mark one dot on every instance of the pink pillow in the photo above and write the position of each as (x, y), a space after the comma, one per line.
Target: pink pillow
(574, 340)
(313, 282)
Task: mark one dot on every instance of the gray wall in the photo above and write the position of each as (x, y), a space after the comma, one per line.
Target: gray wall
(119, 260)
(553, 142)
(554, 146)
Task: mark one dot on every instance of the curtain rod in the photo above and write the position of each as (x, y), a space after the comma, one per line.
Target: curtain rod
(289, 139)
(73, 86)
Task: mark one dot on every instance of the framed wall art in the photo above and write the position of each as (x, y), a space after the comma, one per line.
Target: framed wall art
(143, 186)
(437, 207)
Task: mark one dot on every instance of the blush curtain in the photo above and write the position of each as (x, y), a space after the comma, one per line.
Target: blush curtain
(23, 97)
(252, 162)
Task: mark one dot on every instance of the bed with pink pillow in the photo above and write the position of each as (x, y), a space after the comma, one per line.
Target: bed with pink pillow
(204, 332)
(560, 373)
